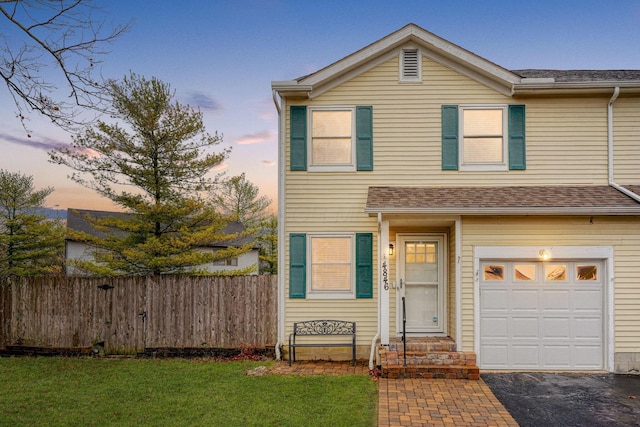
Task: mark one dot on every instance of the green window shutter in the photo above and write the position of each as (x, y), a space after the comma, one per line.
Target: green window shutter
(450, 137)
(297, 265)
(364, 265)
(517, 145)
(364, 138)
(298, 135)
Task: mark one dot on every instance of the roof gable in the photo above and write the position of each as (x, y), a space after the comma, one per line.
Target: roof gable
(411, 35)
(511, 83)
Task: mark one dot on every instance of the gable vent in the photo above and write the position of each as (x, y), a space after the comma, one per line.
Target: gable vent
(410, 65)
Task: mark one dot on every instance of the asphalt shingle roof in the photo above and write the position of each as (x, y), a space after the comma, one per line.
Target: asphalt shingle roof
(77, 220)
(601, 199)
(581, 75)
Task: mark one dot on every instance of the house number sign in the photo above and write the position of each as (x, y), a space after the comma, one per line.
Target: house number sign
(385, 275)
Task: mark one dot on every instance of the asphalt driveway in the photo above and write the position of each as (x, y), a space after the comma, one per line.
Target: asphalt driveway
(537, 399)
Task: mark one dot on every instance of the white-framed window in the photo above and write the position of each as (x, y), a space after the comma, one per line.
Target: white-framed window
(331, 265)
(332, 139)
(483, 142)
(410, 65)
(231, 262)
(104, 255)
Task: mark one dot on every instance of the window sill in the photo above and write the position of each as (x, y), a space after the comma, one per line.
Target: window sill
(331, 169)
(484, 168)
(331, 296)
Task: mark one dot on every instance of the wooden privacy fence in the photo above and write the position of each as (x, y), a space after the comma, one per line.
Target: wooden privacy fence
(129, 314)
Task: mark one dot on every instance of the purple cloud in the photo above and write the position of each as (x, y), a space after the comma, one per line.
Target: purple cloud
(46, 144)
(256, 138)
(268, 162)
(203, 101)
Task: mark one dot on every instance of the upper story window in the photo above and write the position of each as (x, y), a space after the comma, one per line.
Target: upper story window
(332, 142)
(331, 139)
(483, 137)
(483, 144)
(410, 65)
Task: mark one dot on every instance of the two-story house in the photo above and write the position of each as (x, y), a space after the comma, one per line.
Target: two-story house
(502, 206)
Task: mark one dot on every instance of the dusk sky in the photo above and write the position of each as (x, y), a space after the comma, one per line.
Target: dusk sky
(221, 57)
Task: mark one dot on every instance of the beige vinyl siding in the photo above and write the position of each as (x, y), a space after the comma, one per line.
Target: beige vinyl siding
(563, 137)
(622, 233)
(626, 137)
(563, 134)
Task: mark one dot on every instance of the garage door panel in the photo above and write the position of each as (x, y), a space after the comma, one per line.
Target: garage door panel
(588, 356)
(587, 300)
(495, 327)
(556, 328)
(557, 356)
(494, 299)
(525, 327)
(496, 356)
(524, 356)
(588, 328)
(523, 300)
(553, 322)
(556, 300)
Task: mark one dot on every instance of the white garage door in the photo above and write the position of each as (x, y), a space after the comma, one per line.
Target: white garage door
(541, 315)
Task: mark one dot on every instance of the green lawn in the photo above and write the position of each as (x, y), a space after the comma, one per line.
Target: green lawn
(99, 392)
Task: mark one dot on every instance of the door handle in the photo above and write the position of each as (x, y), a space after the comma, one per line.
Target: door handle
(401, 284)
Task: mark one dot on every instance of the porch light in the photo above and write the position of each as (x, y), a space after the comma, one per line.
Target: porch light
(544, 254)
(390, 248)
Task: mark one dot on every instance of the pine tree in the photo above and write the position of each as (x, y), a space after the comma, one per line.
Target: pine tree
(30, 243)
(155, 164)
(268, 242)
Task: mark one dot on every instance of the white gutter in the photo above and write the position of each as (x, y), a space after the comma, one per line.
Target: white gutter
(281, 200)
(375, 338)
(504, 211)
(612, 183)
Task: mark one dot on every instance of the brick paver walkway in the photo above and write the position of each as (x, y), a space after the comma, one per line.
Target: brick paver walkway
(439, 402)
(419, 402)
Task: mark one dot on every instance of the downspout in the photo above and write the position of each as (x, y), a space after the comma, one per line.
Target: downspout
(612, 183)
(280, 225)
(377, 335)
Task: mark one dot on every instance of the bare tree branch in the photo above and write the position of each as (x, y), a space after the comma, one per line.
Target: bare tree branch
(49, 50)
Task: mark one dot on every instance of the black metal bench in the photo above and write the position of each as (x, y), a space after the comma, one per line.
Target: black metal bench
(325, 328)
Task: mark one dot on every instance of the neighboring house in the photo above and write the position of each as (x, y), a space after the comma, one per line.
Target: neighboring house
(502, 204)
(75, 250)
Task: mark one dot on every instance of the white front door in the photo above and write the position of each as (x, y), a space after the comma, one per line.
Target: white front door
(421, 283)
